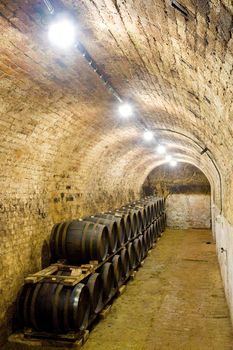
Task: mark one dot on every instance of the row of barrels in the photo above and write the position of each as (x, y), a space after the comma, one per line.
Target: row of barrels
(118, 240)
(56, 308)
(96, 237)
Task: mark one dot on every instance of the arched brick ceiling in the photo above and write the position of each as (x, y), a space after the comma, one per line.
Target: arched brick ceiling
(56, 115)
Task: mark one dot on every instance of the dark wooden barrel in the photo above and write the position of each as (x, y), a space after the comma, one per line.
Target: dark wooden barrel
(122, 229)
(163, 204)
(125, 262)
(79, 241)
(138, 248)
(132, 255)
(107, 275)
(126, 219)
(148, 238)
(148, 212)
(143, 215)
(155, 230)
(114, 235)
(133, 220)
(160, 206)
(157, 208)
(159, 226)
(53, 307)
(95, 286)
(139, 215)
(162, 220)
(143, 246)
(118, 269)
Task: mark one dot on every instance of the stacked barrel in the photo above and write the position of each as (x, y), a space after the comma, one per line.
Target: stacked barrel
(116, 241)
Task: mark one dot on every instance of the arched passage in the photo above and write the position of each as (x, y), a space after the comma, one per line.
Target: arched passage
(187, 192)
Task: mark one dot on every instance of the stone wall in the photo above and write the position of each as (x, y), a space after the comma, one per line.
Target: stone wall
(188, 211)
(28, 211)
(187, 193)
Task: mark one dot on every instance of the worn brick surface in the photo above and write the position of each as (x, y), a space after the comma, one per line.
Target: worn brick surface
(187, 193)
(63, 150)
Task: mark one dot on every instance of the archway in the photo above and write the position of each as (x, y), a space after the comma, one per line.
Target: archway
(187, 191)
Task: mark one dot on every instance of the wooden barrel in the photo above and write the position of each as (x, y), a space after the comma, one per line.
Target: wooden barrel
(143, 216)
(165, 220)
(157, 208)
(79, 241)
(125, 262)
(138, 248)
(53, 307)
(132, 255)
(160, 206)
(139, 215)
(95, 286)
(148, 238)
(162, 220)
(159, 226)
(143, 246)
(148, 213)
(133, 220)
(127, 222)
(163, 204)
(122, 229)
(155, 230)
(118, 269)
(114, 235)
(107, 275)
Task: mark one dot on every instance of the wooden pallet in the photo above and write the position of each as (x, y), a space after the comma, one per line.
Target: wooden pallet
(66, 341)
(78, 273)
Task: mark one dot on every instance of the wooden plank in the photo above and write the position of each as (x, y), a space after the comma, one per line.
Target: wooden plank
(65, 343)
(132, 275)
(104, 313)
(121, 290)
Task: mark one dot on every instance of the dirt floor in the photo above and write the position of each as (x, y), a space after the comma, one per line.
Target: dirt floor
(176, 301)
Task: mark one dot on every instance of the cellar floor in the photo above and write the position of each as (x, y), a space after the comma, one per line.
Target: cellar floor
(175, 302)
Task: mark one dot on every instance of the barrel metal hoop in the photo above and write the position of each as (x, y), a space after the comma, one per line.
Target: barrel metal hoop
(84, 233)
(33, 305)
(64, 237)
(66, 309)
(56, 327)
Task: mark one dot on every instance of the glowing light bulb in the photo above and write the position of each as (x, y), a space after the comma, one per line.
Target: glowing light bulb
(161, 149)
(173, 162)
(62, 33)
(148, 135)
(168, 158)
(125, 110)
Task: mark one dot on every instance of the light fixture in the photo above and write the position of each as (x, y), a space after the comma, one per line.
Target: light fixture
(148, 135)
(168, 158)
(125, 110)
(62, 33)
(173, 162)
(161, 149)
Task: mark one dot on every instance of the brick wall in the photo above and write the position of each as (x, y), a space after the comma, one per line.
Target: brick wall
(64, 152)
(187, 193)
(188, 211)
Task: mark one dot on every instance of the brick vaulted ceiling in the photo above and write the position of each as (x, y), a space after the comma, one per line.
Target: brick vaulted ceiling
(56, 114)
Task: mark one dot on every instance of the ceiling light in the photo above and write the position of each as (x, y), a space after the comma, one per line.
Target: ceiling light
(173, 162)
(125, 110)
(148, 135)
(161, 149)
(168, 158)
(62, 33)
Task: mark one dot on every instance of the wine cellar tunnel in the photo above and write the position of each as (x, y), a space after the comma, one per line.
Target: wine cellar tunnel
(108, 106)
(187, 192)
